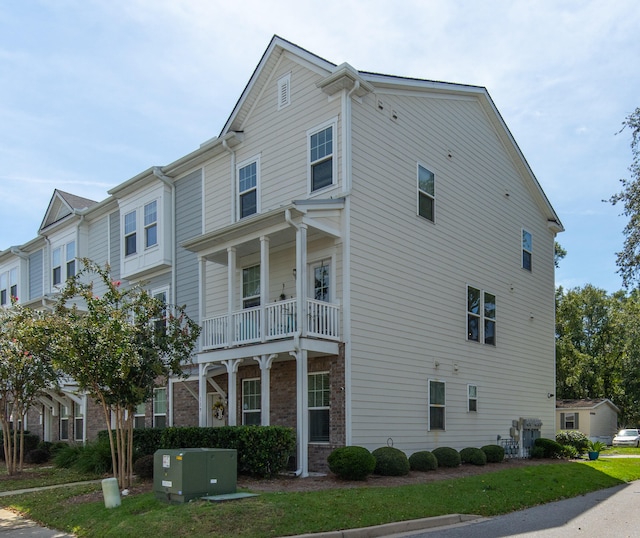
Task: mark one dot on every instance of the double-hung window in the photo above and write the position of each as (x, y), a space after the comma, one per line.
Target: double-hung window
(569, 421)
(70, 258)
(4, 277)
(251, 286)
(8, 286)
(319, 399)
(426, 193)
(248, 188)
(64, 422)
(160, 408)
(139, 416)
(472, 398)
(130, 226)
(322, 282)
(151, 224)
(78, 422)
(436, 405)
(251, 402)
(527, 250)
(481, 316)
(321, 158)
(56, 266)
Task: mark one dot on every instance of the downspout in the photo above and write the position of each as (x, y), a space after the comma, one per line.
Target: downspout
(157, 171)
(225, 145)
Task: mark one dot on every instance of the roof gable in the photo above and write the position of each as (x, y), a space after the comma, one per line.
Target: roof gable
(585, 404)
(61, 205)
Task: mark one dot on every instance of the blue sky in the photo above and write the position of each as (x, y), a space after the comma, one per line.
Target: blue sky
(92, 92)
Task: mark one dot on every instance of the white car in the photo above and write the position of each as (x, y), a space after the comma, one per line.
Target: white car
(627, 438)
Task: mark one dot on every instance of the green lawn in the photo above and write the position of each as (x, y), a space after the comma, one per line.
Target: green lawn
(282, 514)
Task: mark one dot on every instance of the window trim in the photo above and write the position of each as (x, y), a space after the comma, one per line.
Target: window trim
(149, 225)
(420, 192)
(78, 422)
(326, 408)
(253, 300)
(63, 411)
(431, 405)
(527, 253)
(482, 317)
(133, 233)
(137, 414)
(333, 124)
(252, 410)
(239, 194)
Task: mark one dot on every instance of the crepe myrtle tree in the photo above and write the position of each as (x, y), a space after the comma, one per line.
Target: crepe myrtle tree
(26, 371)
(118, 347)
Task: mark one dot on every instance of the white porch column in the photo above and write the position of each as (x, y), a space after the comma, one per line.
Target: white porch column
(231, 291)
(202, 394)
(302, 408)
(232, 370)
(265, 362)
(264, 285)
(301, 277)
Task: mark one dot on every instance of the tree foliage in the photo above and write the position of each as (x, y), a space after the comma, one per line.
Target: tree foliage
(598, 347)
(628, 260)
(118, 347)
(25, 372)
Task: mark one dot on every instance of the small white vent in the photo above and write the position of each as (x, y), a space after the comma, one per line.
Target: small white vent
(284, 91)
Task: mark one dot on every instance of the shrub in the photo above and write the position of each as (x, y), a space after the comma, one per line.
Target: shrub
(351, 462)
(447, 457)
(552, 449)
(569, 451)
(31, 441)
(390, 461)
(423, 461)
(143, 467)
(573, 438)
(472, 455)
(94, 458)
(37, 456)
(537, 452)
(494, 453)
(145, 440)
(66, 456)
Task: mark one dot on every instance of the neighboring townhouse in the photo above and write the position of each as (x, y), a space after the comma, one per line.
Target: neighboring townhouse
(370, 257)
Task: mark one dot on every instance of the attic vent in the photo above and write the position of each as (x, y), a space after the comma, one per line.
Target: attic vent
(284, 91)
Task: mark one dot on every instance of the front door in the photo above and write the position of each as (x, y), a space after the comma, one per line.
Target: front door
(216, 410)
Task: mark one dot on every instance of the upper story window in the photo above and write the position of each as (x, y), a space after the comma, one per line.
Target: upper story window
(251, 286)
(151, 224)
(527, 250)
(248, 177)
(8, 286)
(321, 281)
(60, 271)
(472, 398)
(481, 316)
(321, 160)
(426, 193)
(130, 227)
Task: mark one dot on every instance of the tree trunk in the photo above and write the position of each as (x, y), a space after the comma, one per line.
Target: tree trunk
(107, 417)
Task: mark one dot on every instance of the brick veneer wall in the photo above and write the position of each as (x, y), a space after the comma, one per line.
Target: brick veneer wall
(185, 406)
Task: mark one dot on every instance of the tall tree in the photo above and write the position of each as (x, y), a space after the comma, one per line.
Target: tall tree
(628, 260)
(25, 372)
(118, 348)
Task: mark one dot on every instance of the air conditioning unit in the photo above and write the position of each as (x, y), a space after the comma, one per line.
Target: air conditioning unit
(181, 475)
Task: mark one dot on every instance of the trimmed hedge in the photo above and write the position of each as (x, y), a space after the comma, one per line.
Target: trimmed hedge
(447, 456)
(31, 441)
(473, 455)
(390, 461)
(494, 453)
(145, 440)
(423, 461)
(351, 462)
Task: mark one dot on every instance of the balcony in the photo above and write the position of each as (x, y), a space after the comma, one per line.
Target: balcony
(273, 321)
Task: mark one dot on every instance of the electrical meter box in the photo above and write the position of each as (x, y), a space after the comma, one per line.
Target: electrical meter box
(180, 475)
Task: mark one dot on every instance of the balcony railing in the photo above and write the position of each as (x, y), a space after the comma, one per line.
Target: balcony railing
(280, 321)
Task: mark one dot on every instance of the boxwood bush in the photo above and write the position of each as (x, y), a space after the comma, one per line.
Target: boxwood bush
(473, 455)
(351, 462)
(143, 467)
(390, 461)
(494, 453)
(423, 461)
(447, 456)
(551, 448)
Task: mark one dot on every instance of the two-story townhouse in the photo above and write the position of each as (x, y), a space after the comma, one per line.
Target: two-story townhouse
(376, 264)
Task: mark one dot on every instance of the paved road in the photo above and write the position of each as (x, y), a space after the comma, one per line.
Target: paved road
(608, 512)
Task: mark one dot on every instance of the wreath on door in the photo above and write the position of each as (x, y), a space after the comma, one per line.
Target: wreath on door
(218, 409)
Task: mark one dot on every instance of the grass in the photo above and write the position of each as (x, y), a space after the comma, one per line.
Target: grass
(33, 477)
(281, 514)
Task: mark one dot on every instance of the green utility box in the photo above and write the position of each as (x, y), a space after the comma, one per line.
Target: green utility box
(190, 473)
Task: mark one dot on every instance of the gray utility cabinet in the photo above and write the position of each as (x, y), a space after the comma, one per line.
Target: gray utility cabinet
(180, 475)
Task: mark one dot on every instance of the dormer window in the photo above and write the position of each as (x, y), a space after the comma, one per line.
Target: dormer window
(130, 233)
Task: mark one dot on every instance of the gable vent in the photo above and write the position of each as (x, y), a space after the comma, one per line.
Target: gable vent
(284, 91)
